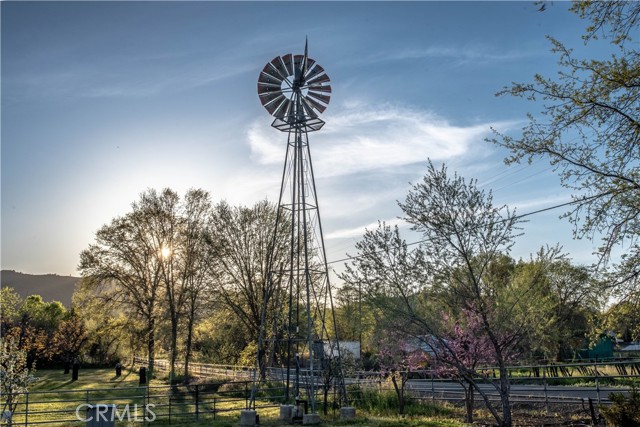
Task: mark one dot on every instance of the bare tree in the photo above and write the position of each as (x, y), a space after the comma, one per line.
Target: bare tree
(243, 241)
(464, 238)
(196, 263)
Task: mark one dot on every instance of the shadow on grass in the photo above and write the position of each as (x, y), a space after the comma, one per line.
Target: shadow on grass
(61, 385)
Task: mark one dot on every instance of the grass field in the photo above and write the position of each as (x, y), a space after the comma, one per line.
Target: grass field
(50, 380)
(54, 401)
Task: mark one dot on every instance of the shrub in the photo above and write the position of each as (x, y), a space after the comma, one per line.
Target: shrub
(624, 410)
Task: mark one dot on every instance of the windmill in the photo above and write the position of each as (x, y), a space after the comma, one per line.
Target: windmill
(295, 90)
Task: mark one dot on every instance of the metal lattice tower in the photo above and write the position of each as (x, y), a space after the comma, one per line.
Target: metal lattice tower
(295, 89)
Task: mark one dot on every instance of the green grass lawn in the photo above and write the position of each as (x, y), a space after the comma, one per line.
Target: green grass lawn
(55, 398)
(51, 380)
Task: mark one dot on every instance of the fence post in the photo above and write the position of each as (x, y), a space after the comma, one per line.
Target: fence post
(26, 410)
(246, 396)
(214, 408)
(595, 370)
(197, 408)
(433, 390)
(546, 395)
(147, 398)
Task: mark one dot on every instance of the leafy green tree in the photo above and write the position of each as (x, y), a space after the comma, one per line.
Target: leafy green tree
(623, 319)
(10, 302)
(111, 331)
(221, 338)
(41, 314)
(69, 339)
(33, 326)
(588, 129)
(574, 297)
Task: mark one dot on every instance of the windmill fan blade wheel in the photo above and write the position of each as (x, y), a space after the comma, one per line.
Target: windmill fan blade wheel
(291, 85)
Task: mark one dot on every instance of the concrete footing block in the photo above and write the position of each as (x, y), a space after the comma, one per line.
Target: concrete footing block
(310, 419)
(347, 413)
(286, 413)
(248, 418)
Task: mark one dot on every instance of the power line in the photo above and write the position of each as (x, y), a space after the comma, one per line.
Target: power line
(516, 217)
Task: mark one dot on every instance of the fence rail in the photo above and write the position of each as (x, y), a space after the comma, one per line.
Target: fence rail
(144, 403)
(547, 386)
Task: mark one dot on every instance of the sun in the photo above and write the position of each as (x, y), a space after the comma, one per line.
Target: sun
(165, 252)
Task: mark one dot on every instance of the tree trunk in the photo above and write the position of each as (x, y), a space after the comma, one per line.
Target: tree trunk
(469, 401)
(400, 393)
(187, 354)
(326, 397)
(151, 348)
(174, 348)
(505, 389)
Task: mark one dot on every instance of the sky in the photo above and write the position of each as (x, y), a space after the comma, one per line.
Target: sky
(104, 100)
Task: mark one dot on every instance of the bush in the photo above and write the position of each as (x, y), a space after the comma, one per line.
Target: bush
(624, 410)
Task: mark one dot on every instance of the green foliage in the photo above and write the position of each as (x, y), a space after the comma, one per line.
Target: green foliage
(10, 301)
(622, 318)
(624, 410)
(41, 314)
(221, 339)
(588, 129)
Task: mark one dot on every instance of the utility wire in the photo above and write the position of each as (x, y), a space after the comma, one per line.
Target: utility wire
(516, 217)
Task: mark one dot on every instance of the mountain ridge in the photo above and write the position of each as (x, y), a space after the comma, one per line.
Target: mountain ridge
(51, 287)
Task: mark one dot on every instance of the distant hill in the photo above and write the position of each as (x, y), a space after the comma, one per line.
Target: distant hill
(50, 287)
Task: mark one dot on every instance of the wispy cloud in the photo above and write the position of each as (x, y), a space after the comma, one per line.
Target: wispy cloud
(529, 205)
(464, 53)
(358, 232)
(128, 77)
(359, 138)
(458, 55)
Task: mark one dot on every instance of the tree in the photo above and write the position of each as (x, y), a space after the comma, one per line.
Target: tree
(573, 297)
(243, 240)
(69, 339)
(588, 130)
(462, 349)
(10, 302)
(196, 263)
(110, 328)
(622, 318)
(124, 267)
(154, 254)
(180, 226)
(397, 358)
(459, 265)
(34, 327)
(15, 374)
